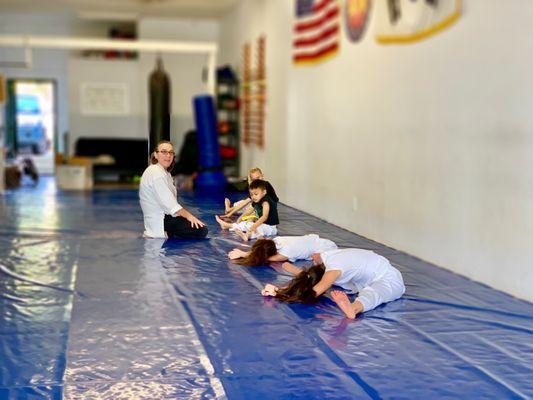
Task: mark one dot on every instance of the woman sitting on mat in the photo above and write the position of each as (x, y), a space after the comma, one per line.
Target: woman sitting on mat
(282, 248)
(359, 271)
(164, 217)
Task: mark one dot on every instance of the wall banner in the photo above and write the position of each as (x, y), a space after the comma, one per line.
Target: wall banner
(356, 16)
(404, 21)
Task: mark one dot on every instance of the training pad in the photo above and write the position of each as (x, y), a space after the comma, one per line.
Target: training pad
(89, 309)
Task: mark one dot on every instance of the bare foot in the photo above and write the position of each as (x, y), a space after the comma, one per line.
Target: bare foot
(227, 205)
(223, 224)
(242, 235)
(344, 303)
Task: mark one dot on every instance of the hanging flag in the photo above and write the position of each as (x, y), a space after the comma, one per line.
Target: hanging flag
(316, 31)
(404, 21)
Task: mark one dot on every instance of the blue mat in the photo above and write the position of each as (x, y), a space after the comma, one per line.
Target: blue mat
(89, 309)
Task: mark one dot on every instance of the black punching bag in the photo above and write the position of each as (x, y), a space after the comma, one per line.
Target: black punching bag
(159, 87)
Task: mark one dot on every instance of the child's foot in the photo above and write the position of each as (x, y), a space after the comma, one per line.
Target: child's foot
(223, 224)
(242, 235)
(227, 205)
(344, 303)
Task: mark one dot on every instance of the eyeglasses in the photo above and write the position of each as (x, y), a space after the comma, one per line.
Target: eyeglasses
(166, 153)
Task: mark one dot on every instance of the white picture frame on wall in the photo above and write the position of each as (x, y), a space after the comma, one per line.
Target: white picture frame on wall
(97, 98)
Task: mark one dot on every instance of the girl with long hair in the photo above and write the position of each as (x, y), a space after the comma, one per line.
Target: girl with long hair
(281, 248)
(359, 271)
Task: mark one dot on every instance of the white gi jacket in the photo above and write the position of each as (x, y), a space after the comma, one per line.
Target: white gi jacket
(302, 247)
(364, 272)
(158, 196)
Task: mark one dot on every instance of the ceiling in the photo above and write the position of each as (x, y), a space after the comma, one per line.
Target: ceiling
(123, 9)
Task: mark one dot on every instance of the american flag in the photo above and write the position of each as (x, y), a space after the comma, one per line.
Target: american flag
(316, 30)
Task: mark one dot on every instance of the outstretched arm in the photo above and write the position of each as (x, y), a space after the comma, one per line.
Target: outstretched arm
(238, 253)
(195, 222)
(291, 268)
(277, 257)
(326, 282)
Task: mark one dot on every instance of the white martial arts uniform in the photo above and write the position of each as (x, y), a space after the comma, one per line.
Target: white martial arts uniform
(261, 230)
(157, 194)
(364, 272)
(302, 247)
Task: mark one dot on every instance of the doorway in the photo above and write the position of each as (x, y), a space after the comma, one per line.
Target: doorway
(32, 121)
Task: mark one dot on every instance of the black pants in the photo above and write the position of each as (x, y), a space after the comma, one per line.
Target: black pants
(179, 227)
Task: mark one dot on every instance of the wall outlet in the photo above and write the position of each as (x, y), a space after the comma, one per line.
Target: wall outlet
(354, 203)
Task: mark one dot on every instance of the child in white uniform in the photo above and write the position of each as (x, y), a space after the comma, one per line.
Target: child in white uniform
(356, 270)
(282, 248)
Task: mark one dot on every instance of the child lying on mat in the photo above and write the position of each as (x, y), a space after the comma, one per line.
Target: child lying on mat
(359, 271)
(266, 210)
(253, 174)
(282, 248)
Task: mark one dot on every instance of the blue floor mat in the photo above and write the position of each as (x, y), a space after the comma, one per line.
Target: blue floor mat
(89, 309)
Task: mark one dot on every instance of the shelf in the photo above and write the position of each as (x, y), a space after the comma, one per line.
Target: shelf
(228, 112)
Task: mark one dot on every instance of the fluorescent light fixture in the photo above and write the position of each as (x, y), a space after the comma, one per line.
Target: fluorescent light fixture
(108, 15)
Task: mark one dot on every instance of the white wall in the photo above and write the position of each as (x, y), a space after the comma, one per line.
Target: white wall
(184, 71)
(124, 72)
(431, 140)
(246, 23)
(70, 71)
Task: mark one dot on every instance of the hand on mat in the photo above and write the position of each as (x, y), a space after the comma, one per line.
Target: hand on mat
(195, 222)
(236, 253)
(269, 290)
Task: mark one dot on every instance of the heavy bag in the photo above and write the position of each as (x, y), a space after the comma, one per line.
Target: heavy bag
(159, 88)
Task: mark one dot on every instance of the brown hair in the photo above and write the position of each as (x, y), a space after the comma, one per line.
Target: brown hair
(300, 289)
(153, 160)
(261, 250)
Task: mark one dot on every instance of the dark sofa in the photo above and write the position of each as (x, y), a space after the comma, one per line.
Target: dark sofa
(131, 157)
